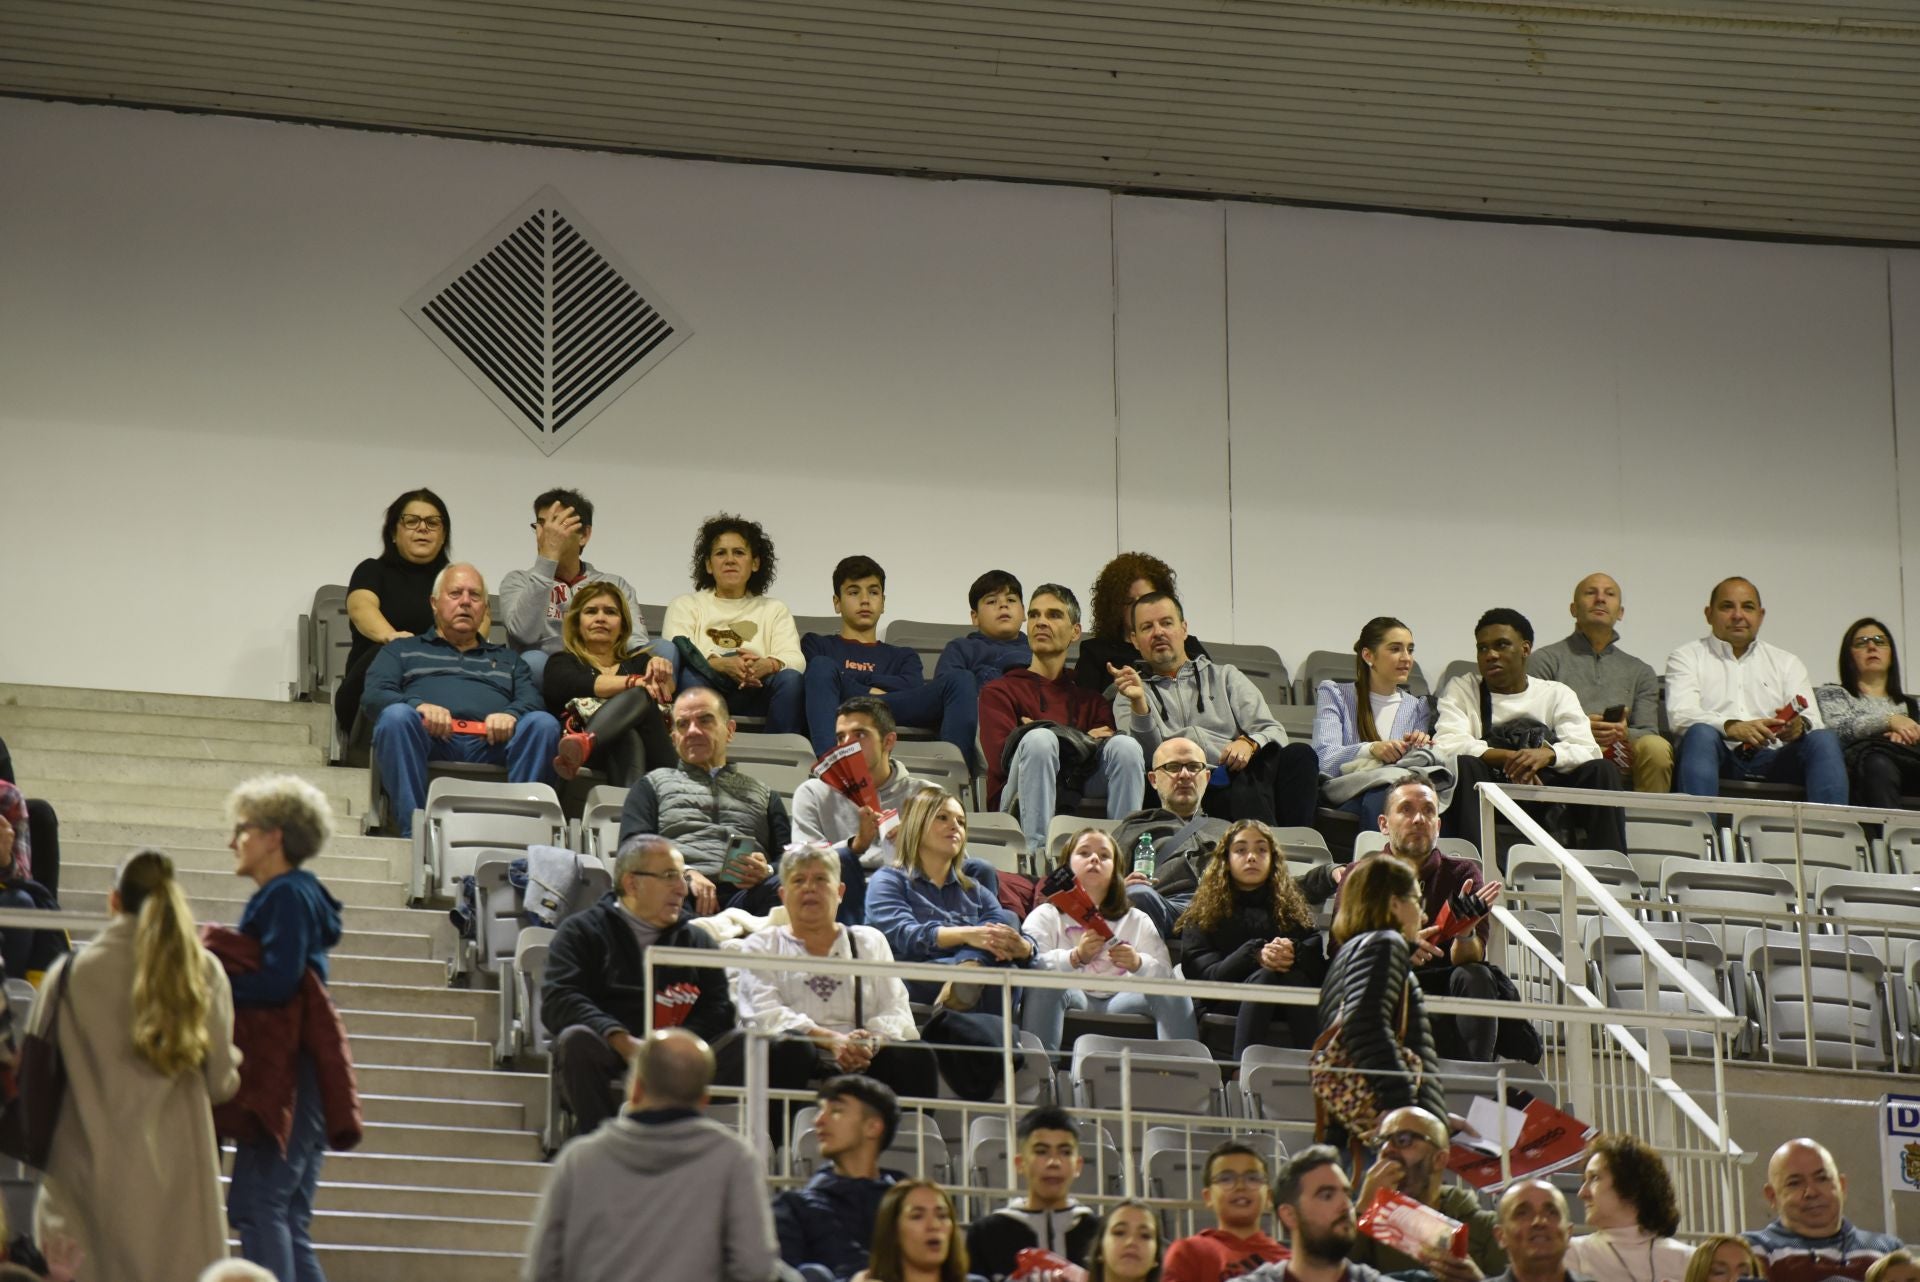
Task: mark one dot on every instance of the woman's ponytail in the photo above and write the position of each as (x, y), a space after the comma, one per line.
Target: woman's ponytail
(170, 996)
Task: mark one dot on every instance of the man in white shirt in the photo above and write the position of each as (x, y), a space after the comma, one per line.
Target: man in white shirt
(1501, 725)
(1725, 693)
(829, 1026)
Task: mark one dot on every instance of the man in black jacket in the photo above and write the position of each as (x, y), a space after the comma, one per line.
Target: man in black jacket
(594, 1002)
(1048, 1159)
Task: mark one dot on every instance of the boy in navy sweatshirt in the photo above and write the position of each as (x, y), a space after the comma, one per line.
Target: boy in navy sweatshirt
(857, 663)
(995, 646)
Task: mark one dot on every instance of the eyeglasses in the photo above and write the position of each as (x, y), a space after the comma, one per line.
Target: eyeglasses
(1240, 1179)
(1184, 768)
(1862, 643)
(421, 523)
(661, 876)
(1401, 1139)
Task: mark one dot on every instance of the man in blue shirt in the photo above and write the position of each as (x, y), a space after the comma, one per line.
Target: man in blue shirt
(857, 663)
(418, 688)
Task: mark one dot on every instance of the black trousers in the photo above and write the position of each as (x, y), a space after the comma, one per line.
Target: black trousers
(1280, 787)
(1253, 1024)
(1882, 772)
(1470, 1037)
(630, 737)
(591, 1072)
(1605, 826)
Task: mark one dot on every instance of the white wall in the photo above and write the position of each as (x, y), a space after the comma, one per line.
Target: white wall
(208, 393)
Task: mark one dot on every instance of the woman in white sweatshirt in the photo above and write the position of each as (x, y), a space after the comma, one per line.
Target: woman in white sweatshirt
(1632, 1210)
(1135, 948)
(730, 635)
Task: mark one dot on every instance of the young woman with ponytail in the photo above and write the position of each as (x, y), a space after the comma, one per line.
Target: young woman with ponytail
(279, 823)
(145, 1027)
(1374, 720)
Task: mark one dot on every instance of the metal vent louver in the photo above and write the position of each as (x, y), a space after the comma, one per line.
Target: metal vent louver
(546, 320)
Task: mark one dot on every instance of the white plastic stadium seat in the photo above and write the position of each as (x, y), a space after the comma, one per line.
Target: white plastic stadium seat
(468, 819)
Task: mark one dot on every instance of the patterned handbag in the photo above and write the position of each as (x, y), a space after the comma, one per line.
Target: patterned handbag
(1344, 1093)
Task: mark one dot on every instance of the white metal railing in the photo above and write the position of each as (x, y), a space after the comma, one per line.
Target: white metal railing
(1596, 1068)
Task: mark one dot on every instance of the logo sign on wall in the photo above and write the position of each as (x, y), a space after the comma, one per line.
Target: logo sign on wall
(1899, 1148)
(546, 320)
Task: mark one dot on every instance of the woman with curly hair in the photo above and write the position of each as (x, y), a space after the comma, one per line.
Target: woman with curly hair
(1632, 1209)
(731, 635)
(1249, 924)
(1120, 583)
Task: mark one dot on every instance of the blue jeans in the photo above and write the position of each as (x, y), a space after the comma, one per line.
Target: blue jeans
(1043, 1012)
(1161, 910)
(1033, 780)
(403, 746)
(271, 1200)
(948, 705)
(1813, 760)
(781, 699)
(1369, 805)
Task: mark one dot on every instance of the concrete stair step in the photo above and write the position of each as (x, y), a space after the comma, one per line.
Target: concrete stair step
(435, 1172)
(350, 965)
(17, 720)
(32, 740)
(381, 1023)
(214, 837)
(330, 868)
(487, 1115)
(395, 1229)
(203, 808)
(528, 1090)
(211, 886)
(342, 783)
(411, 1264)
(131, 809)
(380, 1198)
(413, 1052)
(480, 1004)
(312, 715)
(451, 1141)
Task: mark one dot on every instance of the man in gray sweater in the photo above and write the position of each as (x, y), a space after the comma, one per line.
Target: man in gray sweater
(660, 1192)
(1257, 773)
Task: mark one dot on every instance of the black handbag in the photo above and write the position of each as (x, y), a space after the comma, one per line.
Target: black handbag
(40, 1081)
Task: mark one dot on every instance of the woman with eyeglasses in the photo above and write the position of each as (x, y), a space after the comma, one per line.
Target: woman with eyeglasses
(299, 1095)
(1362, 727)
(1249, 924)
(1877, 723)
(388, 595)
(1370, 997)
(916, 1239)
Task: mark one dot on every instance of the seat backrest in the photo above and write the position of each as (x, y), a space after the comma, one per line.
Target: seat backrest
(937, 761)
(924, 638)
(1273, 1084)
(1827, 843)
(1173, 1075)
(1903, 847)
(468, 816)
(917, 1150)
(770, 749)
(995, 836)
(1261, 665)
(825, 625)
(329, 640)
(599, 831)
(1838, 999)
(1458, 668)
(1532, 868)
(1885, 904)
(1318, 666)
(1681, 877)
(781, 777)
(1622, 971)
(1302, 848)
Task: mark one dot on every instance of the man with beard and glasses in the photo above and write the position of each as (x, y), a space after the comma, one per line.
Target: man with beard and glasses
(1413, 1160)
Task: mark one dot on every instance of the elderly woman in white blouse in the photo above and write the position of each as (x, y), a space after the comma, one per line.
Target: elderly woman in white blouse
(1633, 1213)
(829, 1024)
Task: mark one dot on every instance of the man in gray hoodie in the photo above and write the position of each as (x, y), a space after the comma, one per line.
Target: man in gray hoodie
(1257, 773)
(662, 1191)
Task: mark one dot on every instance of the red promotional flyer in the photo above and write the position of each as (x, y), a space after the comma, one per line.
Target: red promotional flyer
(1549, 1140)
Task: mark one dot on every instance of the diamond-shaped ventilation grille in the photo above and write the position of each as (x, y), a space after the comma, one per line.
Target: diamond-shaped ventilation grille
(546, 321)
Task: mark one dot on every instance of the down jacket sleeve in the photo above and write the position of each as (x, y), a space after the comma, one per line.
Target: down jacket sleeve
(1369, 979)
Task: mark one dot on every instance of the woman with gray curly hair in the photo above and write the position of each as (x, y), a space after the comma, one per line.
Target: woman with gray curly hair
(280, 822)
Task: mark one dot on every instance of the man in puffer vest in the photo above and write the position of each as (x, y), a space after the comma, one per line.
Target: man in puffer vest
(708, 808)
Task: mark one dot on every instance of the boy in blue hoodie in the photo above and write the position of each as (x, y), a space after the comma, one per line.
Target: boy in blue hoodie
(857, 662)
(996, 645)
(826, 1228)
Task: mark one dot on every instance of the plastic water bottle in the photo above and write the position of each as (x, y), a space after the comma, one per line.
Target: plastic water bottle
(1145, 860)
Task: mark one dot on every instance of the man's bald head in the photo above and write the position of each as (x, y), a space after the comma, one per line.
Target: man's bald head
(1532, 1227)
(1179, 792)
(1805, 1188)
(1419, 1142)
(1414, 1118)
(673, 1070)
